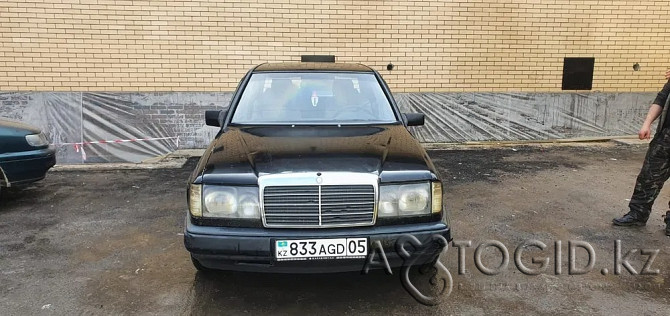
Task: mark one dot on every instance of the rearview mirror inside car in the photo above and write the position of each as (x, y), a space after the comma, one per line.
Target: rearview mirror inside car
(414, 119)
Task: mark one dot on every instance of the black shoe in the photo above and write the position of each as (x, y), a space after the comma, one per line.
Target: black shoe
(629, 220)
(667, 223)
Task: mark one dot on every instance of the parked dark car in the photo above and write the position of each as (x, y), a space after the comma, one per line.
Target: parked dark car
(313, 167)
(25, 154)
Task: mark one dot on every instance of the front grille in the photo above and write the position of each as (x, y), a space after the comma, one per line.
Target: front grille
(319, 206)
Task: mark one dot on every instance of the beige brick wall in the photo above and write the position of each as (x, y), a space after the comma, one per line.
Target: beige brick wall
(452, 45)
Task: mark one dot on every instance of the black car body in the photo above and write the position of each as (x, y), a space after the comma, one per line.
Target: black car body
(25, 154)
(325, 163)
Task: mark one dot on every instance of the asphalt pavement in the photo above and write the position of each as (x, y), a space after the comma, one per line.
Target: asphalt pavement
(109, 242)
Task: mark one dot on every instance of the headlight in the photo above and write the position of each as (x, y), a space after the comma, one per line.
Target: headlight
(37, 140)
(230, 202)
(405, 200)
(221, 203)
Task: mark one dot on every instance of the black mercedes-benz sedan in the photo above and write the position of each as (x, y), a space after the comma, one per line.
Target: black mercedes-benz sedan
(313, 170)
(25, 154)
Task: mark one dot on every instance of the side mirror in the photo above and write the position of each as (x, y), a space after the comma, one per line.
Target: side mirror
(215, 117)
(414, 119)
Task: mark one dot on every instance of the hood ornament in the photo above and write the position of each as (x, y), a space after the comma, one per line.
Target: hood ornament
(315, 99)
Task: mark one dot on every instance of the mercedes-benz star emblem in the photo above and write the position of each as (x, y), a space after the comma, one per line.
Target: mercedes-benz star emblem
(315, 99)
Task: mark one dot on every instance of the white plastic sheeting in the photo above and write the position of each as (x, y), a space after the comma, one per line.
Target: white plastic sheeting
(459, 117)
(69, 118)
(73, 117)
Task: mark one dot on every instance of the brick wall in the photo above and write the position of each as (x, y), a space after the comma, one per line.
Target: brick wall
(451, 45)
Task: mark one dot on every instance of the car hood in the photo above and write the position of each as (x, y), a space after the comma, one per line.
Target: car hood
(13, 136)
(241, 154)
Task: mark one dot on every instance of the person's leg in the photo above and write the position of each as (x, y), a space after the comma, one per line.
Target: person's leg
(655, 171)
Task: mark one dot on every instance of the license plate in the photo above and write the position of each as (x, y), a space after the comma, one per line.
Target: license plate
(316, 249)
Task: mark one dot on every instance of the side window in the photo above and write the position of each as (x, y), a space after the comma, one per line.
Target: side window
(249, 102)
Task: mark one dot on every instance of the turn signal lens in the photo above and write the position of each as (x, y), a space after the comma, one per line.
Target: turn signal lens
(437, 196)
(195, 200)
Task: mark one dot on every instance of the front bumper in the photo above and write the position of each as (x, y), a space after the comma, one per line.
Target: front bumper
(27, 166)
(251, 249)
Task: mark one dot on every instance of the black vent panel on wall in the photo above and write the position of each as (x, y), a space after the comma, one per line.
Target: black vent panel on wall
(317, 58)
(578, 73)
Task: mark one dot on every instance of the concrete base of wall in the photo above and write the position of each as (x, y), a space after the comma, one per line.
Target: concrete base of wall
(175, 120)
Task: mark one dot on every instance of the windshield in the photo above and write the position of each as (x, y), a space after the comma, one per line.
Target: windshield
(312, 97)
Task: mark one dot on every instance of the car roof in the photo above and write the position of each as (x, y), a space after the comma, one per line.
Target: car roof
(309, 66)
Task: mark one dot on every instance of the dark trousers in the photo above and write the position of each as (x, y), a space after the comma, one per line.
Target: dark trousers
(655, 171)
